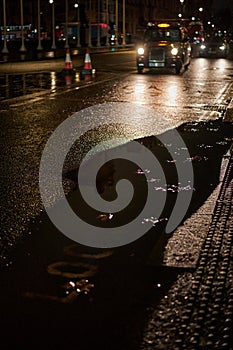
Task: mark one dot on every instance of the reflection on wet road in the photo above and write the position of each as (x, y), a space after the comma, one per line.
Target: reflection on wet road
(15, 85)
(69, 293)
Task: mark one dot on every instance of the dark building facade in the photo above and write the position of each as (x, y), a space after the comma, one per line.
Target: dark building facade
(137, 12)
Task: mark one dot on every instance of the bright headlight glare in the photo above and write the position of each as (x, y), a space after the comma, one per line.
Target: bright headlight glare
(203, 47)
(141, 50)
(174, 51)
(222, 47)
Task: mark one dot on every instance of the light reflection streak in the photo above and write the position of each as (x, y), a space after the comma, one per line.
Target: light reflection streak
(173, 188)
(153, 220)
(222, 64)
(50, 54)
(139, 89)
(77, 76)
(172, 95)
(53, 81)
(202, 62)
(139, 93)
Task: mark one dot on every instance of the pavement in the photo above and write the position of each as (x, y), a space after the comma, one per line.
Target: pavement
(35, 55)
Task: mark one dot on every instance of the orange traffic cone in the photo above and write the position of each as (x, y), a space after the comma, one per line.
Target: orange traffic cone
(68, 63)
(87, 68)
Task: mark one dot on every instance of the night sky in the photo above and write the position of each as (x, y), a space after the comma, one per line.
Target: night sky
(221, 4)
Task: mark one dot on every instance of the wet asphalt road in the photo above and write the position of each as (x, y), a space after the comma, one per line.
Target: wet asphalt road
(57, 289)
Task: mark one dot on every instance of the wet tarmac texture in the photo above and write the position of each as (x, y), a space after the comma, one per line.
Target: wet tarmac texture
(60, 294)
(15, 85)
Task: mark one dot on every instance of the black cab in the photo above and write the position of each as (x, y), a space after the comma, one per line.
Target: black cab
(165, 45)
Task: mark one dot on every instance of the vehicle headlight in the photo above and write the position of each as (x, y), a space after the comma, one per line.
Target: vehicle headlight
(222, 47)
(174, 51)
(141, 51)
(202, 47)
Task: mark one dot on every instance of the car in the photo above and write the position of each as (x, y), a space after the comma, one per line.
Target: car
(165, 45)
(214, 46)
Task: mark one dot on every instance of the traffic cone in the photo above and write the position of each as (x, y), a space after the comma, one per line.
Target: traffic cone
(87, 68)
(68, 63)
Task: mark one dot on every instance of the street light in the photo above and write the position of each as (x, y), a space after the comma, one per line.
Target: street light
(53, 25)
(89, 25)
(22, 49)
(116, 24)
(123, 23)
(78, 25)
(66, 24)
(107, 20)
(182, 8)
(98, 25)
(4, 50)
(201, 11)
(39, 47)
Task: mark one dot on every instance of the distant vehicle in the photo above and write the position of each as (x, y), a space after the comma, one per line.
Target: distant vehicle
(214, 46)
(100, 29)
(14, 32)
(195, 30)
(165, 45)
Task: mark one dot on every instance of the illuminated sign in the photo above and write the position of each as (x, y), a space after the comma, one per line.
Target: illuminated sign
(163, 25)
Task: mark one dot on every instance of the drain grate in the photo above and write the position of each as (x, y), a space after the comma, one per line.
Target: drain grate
(217, 108)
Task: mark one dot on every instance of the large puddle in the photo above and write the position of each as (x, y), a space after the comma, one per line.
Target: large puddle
(63, 294)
